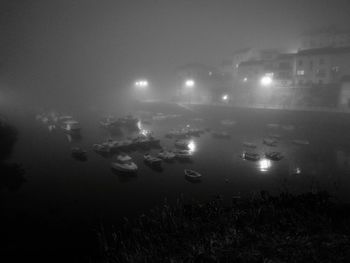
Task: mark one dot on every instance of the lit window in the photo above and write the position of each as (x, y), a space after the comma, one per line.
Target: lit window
(300, 72)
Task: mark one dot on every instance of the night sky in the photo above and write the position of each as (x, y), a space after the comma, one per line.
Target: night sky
(68, 50)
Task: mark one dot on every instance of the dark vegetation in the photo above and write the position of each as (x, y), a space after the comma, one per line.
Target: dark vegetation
(264, 228)
(11, 174)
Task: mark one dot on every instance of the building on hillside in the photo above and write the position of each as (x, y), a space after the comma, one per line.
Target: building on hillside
(283, 66)
(208, 83)
(325, 37)
(321, 66)
(250, 71)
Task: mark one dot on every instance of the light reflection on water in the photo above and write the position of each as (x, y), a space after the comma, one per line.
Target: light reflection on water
(264, 165)
(192, 147)
(142, 131)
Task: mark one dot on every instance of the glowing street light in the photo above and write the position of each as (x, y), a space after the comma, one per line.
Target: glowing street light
(225, 97)
(141, 84)
(266, 80)
(189, 83)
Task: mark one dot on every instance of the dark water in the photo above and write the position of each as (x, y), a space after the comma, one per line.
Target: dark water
(59, 189)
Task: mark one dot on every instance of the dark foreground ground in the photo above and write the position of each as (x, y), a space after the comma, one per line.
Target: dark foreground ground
(263, 228)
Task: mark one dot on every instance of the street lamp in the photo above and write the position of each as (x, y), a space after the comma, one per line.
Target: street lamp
(141, 87)
(225, 98)
(141, 84)
(189, 83)
(266, 81)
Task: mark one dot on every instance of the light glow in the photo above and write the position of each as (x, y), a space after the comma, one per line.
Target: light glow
(191, 146)
(266, 81)
(141, 83)
(189, 83)
(264, 165)
(225, 97)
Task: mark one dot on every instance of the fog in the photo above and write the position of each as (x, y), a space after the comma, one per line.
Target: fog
(58, 53)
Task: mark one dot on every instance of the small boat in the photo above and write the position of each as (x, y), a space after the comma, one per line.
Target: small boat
(273, 125)
(250, 156)
(152, 160)
(301, 142)
(221, 135)
(274, 156)
(78, 153)
(166, 155)
(227, 122)
(270, 142)
(183, 154)
(275, 136)
(126, 167)
(192, 175)
(153, 141)
(159, 116)
(181, 144)
(123, 158)
(71, 126)
(249, 145)
(288, 127)
(101, 148)
(65, 118)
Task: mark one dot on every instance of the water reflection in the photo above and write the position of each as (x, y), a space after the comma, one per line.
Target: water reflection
(192, 147)
(143, 131)
(264, 165)
(295, 171)
(73, 137)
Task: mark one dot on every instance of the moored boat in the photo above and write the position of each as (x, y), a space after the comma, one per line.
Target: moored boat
(166, 155)
(123, 158)
(192, 175)
(71, 126)
(249, 145)
(78, 153)
(101, 148)
(152, 160)
(250, 156)
(181, 144)
(221, 134)
(270, 142)
(125, 167)
(183, 154)
(274, 156)
(301, 142)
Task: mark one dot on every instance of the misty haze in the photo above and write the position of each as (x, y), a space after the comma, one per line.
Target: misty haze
(175, 131)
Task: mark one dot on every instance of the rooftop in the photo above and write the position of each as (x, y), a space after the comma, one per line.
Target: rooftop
(325, 51)
(251, 63)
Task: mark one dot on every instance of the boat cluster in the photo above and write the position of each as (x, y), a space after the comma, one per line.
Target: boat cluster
(161, 116)
(184, 132)
(125, 164)
(111, 122)
(271, 141)
(54, 120)
(139, 141)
